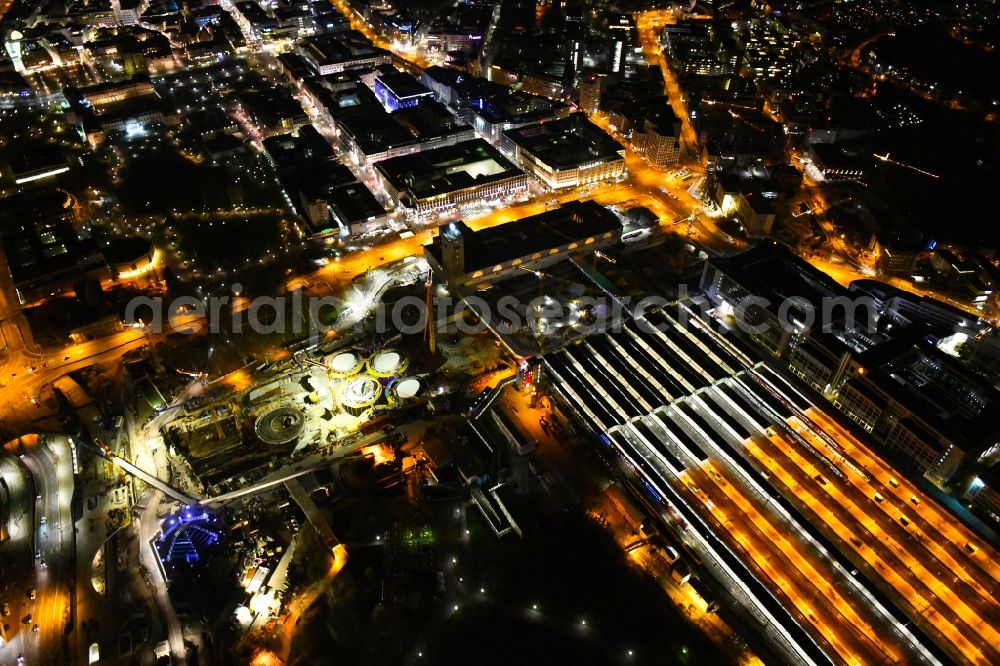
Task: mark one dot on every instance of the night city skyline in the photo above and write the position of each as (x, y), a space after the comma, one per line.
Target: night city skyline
(499, 332)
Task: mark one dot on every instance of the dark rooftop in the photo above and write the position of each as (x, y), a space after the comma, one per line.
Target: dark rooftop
(374, 130)
(341, 47)
(402, 85)
(497, 104)
(309, 146)
(576, 220)
(772, 271)
(566, 143)
(354, 203)
(428, 119)
(447, 169)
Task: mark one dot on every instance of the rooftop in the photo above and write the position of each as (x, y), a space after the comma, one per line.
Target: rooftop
(576, 220)
(567, 143)
(496, 104)
(308, 148)
(331, 49)
(402, 85)
(446, 169)
(374, 130)
(428, 119)
(341, 93)
(353, 203)
(942, 392)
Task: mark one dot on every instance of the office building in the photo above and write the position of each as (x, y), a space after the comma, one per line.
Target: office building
(875, 359)
(397, 90)
(445, 178)
(332, 53)
(464, 258)
(565, 153)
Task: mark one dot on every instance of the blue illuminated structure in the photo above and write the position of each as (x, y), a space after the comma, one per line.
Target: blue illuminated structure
(397, 90)
(186, 535)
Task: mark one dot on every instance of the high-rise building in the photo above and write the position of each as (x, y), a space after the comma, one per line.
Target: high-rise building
(12, 43)
(657, 138)
(590, 92)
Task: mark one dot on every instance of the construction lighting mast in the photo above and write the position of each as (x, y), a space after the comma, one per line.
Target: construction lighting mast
(430, 333)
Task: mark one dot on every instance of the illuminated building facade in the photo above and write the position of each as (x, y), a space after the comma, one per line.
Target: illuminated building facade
(463, 257)
(432, 181)
(397, 90)
(565, 153)
(927, 412)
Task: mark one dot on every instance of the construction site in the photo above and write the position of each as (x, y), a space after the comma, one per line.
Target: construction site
(309, 403)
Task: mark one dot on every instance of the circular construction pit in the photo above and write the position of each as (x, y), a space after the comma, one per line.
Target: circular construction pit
(345, 364)
(280, 425)
(407, 388)
(360, 394)
(387, 363)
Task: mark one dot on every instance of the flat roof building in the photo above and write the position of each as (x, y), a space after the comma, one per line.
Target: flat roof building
(336, 95)
(272, 111)
(332, 53)
(565, 153)
(372, 135)
(397, 90)
(288, 152)
(444, 178)
(355, 209)
(492, 113)
(467, 258)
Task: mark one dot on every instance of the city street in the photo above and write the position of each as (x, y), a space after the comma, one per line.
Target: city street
(49, 461)
(352, 152)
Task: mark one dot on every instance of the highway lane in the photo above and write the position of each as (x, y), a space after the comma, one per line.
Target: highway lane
(50, 464)
(20, 385)
(18, 550)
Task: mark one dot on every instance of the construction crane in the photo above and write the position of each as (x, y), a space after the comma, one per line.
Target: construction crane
(430, 332)
(888, 160)
(329, 377)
